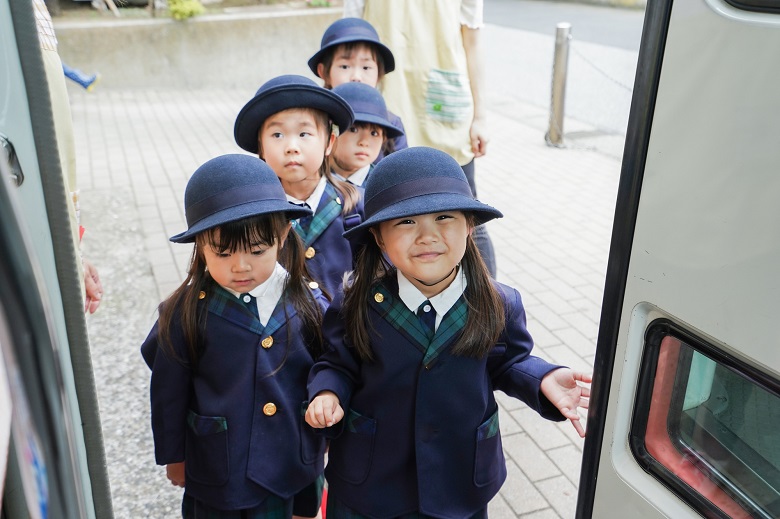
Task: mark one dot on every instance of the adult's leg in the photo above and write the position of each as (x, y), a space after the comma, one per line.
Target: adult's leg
(481, 238)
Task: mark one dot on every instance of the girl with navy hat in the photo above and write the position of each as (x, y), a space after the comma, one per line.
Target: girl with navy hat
(414, 349)
(351, 52)
(357, 147)
(288, 124)
(232, 348)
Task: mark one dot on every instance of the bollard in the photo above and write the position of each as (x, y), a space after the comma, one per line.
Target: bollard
(554, 135)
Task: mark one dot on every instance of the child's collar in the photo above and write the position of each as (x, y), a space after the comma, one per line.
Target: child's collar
(441, 302)
(314, 197)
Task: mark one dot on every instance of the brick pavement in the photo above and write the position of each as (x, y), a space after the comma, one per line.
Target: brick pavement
(136, 149)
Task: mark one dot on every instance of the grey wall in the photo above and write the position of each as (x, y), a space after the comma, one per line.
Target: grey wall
(226, 50)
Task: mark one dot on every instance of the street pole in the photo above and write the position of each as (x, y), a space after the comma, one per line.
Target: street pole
(554, 135)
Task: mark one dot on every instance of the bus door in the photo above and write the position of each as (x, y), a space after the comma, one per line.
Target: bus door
(685, 409)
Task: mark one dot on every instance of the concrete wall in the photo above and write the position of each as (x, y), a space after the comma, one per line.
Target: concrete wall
(226, 50)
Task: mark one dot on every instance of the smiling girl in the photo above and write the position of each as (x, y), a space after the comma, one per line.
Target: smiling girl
(414, 350)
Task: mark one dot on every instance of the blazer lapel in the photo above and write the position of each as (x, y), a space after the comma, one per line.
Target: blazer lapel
(227, 306)
(327, 211)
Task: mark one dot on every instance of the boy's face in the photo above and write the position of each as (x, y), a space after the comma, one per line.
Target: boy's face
(358, 65)
(357, 147)
(294, 143)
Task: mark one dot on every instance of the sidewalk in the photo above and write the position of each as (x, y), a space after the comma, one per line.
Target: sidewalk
(135, 151)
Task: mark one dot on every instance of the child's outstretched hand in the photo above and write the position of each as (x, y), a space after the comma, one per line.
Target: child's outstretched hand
(175, 473)
(562, 389)
(324, 410)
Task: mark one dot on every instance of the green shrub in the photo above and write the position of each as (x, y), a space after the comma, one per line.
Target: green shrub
(183, 9)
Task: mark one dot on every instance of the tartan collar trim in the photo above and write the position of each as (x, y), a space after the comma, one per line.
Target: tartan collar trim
(328, 210)
(228, 307)
(385, 301)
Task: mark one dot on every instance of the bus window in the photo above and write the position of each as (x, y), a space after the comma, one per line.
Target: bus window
(761, 6)
(707, 427)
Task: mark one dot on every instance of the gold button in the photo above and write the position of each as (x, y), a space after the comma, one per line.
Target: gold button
(313, 285)
(338, 200)
(267, 342)
(310, 252)
(379, 297)
(269, 409)
(202, 295)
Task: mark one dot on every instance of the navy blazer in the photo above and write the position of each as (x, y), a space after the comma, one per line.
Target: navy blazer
(328, 254)
(420, 431)
(235, 421)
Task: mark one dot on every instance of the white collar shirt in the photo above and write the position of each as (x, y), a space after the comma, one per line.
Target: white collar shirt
(441, 302)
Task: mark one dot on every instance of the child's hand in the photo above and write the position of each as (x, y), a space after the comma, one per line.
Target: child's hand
(562, 390)
(324, 410)
(175, 473)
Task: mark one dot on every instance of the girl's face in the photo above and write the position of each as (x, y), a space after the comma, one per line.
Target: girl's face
(357, 64)
(426, 248)
(357, 147)
(242, 270)
(294, 143)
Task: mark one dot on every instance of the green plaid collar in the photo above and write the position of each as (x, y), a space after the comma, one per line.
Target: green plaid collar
(226, 305)
(331, 208)
(395, 312)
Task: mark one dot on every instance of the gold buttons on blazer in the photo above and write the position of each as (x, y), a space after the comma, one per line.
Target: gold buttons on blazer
(269, 409)
(202, 295)
(313, 285)
(310, 252)
(267, 342)
(379, 297)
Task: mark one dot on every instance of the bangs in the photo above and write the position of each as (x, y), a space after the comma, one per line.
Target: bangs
(348, 48)
(244, 234)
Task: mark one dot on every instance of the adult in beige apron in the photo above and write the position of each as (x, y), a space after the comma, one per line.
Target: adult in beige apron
(430, 89)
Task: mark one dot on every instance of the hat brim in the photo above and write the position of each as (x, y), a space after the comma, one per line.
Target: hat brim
(391, 131)
(424, 204)
(233, 214)
(385, 52)
(284, 97)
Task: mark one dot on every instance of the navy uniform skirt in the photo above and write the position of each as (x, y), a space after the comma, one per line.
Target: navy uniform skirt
(338, 510)
(274, 507)
(305, 503)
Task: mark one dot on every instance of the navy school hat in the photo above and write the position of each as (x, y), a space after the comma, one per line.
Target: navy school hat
(368, 105)
(349, 30)
(282, 93)
(230, 188)
(417, 180)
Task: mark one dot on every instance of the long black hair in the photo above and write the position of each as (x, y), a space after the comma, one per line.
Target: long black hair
(183, 307)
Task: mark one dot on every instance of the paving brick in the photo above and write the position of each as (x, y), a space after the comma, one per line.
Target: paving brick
(561, 495)
(519, 493)
(569, 460)
(543, 432)
(529, 457)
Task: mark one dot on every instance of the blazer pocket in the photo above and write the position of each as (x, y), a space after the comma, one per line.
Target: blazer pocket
(312, 444)
(488, 455)
(350, 456)
(206, 458)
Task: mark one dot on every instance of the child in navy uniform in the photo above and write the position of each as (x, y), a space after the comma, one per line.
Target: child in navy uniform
(288, 124)
(414, 349)
(357, 147)
(351, 52)
(232, 348)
